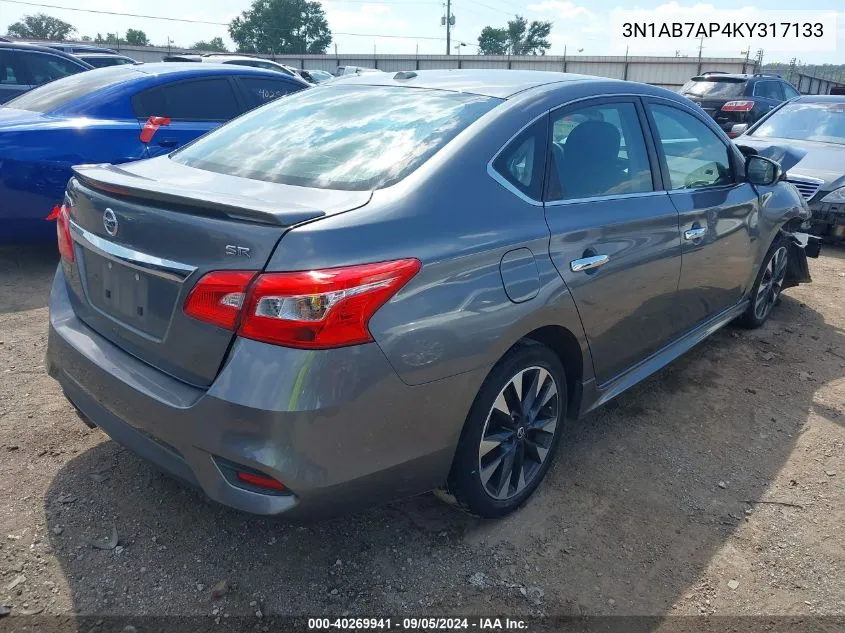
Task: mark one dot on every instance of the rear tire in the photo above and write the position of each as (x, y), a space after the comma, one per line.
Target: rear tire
(512, 432)
(765, 294)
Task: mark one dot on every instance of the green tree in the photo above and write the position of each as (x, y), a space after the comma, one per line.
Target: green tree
(518, 38)
(214, 44)
(110, 38)
(41, 27)
(282, 26)
(136, 37)
(493, 41)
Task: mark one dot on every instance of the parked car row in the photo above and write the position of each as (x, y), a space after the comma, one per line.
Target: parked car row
(311, 76)
(765, 114)
(113, 115)
(25, 65)
(396, 282)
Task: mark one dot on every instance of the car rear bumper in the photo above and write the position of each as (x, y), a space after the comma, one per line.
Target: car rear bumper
(337, 427)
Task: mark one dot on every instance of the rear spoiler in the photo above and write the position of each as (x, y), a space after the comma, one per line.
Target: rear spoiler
(113, 180)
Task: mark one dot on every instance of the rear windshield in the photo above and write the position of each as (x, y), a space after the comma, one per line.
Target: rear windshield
(106, 61)
(340, 137)
(806, 121)
(59, 93)
(714, 88)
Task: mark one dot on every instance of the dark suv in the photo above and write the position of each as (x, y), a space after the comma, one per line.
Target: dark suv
(24, 66)
(732, 98)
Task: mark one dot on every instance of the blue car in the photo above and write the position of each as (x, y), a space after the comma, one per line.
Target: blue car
(112, 115)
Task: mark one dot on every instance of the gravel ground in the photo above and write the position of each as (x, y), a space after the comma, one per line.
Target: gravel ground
(715, 487)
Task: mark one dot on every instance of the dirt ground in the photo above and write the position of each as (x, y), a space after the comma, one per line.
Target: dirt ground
(715, 487)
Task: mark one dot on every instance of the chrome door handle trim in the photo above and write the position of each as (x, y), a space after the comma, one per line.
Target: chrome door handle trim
(694, 234)
(585, 263)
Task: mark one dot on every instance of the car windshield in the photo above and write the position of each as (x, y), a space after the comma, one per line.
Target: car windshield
(714, 88)
(341, 137)
(806, 121)
(58, 93)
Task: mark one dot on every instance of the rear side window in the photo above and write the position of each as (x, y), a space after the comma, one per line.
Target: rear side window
(338, 137)
(713, 88)
(44, 68)
(598, 151)
(260, 90)
(768, 90)
(201, 100)
(695, 155)
(63, 92)
(522, 162)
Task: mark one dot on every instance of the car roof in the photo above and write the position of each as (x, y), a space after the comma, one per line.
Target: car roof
(28, 46)
(99, 55)
(211, 57)
(499, 83)
(820, 99)
(745, 76)
(192, 68)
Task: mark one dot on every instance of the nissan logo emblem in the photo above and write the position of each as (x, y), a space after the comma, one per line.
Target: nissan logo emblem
(110, 222)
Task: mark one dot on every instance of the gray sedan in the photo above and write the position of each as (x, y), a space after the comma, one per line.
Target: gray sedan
(403, 282)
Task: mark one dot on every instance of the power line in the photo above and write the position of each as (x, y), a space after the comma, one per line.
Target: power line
(226, 24)
(492, 8)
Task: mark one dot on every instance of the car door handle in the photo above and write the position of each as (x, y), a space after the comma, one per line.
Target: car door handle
(169, 142)
(694, 234)
(586, 263)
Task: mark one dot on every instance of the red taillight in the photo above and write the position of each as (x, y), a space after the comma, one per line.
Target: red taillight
(312, 309)
(150, 127)
(321, 308)
(738, 106)
(259, 480)
(218, 296)
(63, 233)
(54, 214)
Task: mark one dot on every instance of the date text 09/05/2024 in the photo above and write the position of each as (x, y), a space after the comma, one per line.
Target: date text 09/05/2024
(410, 624)
(741, 30)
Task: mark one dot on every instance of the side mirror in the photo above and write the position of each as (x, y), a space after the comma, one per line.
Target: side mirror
(762, 171)
(738, 129)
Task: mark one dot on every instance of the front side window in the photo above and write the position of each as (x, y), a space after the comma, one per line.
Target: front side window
(522, 162)
(338, 137)
(695, 155)
(598, 151)
(44, 68)
(789, 91)
(768, 90)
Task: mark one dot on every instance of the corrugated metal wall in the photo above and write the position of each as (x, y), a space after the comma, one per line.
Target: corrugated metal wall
(669, 72)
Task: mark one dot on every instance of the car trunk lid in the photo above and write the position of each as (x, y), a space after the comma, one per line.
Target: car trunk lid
(143, 240)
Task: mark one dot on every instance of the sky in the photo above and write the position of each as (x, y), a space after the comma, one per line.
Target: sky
(579, 26)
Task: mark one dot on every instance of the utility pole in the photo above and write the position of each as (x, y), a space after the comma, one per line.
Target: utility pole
(700, 49)
(449, 21)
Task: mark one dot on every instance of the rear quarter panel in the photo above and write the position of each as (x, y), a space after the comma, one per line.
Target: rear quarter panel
(455, 315)
(35, 166)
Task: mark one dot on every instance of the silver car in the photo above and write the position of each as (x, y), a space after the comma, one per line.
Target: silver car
(399, 283)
